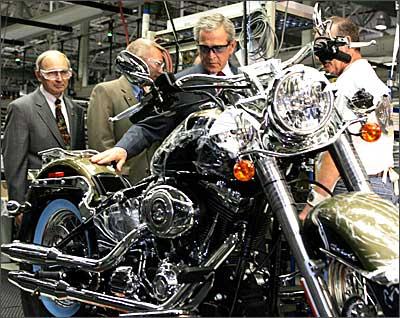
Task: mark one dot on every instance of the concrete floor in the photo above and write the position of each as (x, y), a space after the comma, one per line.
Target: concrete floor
(10, 300)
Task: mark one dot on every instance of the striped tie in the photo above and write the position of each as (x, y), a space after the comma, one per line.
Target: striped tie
(62, 125)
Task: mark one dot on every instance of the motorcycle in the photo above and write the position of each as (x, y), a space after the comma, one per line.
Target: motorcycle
(214, 231)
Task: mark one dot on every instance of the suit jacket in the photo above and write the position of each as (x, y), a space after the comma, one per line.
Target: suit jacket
(199, 69)
(157, 128)
(107, 100)
(30, 128)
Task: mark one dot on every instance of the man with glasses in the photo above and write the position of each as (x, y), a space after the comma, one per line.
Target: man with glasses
(110, 98)
(215, 37)
(43, 119)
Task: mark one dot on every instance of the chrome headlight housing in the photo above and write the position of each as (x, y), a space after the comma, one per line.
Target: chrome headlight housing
(302, 102)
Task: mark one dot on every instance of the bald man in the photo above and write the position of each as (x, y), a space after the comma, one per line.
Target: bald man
(32, 126)
(110, 98)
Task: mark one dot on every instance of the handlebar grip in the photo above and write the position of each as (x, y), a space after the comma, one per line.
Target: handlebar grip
(341, 56)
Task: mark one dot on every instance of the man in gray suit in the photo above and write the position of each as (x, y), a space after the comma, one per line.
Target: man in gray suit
(31, 124)
(215, 37)
(111, 98)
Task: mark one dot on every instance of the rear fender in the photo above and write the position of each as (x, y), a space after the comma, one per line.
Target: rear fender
(75, 179)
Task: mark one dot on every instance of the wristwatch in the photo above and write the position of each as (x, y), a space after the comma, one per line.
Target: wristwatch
(314, 198)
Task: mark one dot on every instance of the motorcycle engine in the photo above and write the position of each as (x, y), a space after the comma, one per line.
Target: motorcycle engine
(116, 221)
(168, 211)
(165, 282)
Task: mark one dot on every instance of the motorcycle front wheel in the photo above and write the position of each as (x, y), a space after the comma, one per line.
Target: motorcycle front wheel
(57, 220)
(356, 296)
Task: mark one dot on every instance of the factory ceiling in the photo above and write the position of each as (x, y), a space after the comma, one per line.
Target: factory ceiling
(104, 27)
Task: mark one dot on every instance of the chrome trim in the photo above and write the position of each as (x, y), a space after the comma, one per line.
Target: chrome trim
(36, 254)
(374, 276)
(61, 290)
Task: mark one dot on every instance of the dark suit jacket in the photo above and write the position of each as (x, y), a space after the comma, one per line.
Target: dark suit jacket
(30, 128)
(107, 100)
(142, 134)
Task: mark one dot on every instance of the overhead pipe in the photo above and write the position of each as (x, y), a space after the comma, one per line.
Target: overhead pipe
(145, 19)
(104, 7)
(246, 57)
(58, 27)
(175, 37)
(123, 21)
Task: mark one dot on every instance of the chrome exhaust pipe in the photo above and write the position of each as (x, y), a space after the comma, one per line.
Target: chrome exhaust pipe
(160, 313)
(41, 255)
(61, 290)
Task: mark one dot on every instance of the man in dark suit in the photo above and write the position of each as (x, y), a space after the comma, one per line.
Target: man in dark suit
(43, 119)
(215, 37)
(110, 98)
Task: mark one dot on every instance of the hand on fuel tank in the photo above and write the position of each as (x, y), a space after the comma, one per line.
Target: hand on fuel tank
(116, 154)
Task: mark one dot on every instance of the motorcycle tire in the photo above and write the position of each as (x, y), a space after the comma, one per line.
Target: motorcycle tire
(58, 218)
(357, 296)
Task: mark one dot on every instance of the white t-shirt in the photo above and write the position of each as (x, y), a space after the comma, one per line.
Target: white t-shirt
(376, 156)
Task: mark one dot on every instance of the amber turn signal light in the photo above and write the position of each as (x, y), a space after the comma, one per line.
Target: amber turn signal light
(244, 170)
(371, 132)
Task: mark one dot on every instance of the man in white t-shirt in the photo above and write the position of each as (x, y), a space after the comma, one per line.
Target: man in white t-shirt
(377, 157)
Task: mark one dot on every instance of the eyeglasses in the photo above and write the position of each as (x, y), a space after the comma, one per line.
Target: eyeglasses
(53, 74)
(157, 63)
(215, 48)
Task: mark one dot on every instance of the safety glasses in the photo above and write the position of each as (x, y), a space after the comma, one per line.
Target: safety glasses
(217, 49)
(55, 74)
(156, 63)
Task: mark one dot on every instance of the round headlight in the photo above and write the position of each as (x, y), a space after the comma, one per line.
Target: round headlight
(302, 101)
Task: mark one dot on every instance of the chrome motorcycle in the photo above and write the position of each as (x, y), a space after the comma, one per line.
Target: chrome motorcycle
(214, 231)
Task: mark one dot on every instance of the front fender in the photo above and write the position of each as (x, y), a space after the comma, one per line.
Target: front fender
(368, 225)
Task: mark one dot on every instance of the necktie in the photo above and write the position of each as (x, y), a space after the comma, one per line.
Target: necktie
(62, 125)
(220, 73)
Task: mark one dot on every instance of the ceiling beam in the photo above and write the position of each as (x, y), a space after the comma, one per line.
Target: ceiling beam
(58, 27)
(70, 16)
(13, 42)
(104, 7)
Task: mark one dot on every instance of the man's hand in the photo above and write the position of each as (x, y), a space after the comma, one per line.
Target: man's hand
(114, 154)
(303, 214)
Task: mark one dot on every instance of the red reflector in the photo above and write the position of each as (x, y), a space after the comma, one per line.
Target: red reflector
(56, 174)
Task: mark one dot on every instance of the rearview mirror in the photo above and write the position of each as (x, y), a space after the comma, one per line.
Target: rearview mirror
(133, 68)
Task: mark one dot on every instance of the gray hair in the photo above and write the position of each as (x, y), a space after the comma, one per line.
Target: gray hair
(345, 27)
(45, 54)
(213, 22)
(141, 46)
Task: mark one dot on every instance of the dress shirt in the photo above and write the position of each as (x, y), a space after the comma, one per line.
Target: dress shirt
(226, 70)
(51, 100)
(137, 92)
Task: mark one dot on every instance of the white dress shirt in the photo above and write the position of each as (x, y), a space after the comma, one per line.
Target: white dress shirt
(51, 99)
(226, 70)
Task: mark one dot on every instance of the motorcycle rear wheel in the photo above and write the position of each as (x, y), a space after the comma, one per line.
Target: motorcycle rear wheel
(57, 220)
